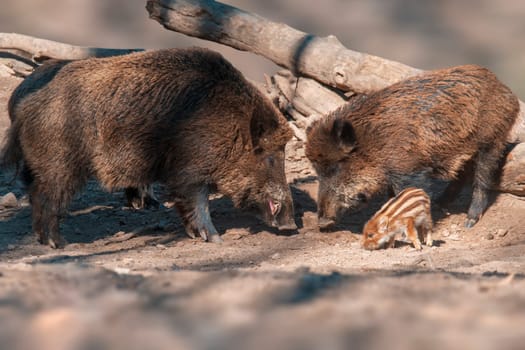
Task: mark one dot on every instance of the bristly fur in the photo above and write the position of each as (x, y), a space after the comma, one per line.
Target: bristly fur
(434, 123)
(183, 117)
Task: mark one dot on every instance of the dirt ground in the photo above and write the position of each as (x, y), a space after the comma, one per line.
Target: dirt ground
(131, 279)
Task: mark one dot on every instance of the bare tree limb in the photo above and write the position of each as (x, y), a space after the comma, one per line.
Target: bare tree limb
(512, 179)
(41, 49)
(322, 58)
(299, 97)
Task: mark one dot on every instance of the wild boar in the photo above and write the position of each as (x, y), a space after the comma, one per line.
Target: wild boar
(430, 125)
(182, 117)
(408, 213)
(136, 198)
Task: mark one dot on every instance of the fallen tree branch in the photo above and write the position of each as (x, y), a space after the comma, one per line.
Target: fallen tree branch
(41, 49)
(324, 59)
(299, 97)
(512, 179)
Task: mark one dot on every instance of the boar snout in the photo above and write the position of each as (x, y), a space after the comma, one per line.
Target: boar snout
(280, 214)
(327, 212)
(285, 219)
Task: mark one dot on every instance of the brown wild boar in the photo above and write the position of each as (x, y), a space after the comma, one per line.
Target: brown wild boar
(429, 125)
(182, 117)
(137, 198)
(408, 213)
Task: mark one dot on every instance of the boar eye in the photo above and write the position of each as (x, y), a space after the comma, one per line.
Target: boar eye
(361, 197)
(270, 161)
(370, 234)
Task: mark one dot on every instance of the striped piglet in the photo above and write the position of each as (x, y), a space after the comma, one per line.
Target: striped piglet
(407, 213)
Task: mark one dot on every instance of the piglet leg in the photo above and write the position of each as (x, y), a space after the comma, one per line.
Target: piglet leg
(412, 233)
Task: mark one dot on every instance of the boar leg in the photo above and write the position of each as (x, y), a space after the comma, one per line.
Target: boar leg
(195, 215)
(36, 208)
(36, 204)
(141, 197)
(52, 216)
(46, 217)
(485, 168)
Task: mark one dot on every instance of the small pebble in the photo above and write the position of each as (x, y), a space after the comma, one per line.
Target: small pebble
(502, 232)
(9, 200)
(489, 236)
(276, 256)
(161, 246)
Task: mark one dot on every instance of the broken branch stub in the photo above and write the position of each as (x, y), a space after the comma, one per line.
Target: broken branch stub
(42, 49)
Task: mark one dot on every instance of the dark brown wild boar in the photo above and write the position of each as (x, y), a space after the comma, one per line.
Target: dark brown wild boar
(429, 125)
(183, 117)
(137, 198)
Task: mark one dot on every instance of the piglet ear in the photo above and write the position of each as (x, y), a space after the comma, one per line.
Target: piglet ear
(382, 226)
(344, 134)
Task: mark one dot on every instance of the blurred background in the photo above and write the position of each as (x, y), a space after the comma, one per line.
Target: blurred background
(421, 33)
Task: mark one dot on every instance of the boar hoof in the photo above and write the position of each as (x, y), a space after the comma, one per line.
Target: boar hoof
(57, 243)
(288, 227)
(325, 224)
(469, 223)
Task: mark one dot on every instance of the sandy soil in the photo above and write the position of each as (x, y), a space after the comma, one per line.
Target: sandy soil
(132, 279)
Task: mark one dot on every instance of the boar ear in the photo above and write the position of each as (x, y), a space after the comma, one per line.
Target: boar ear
(344, 134)
(261, 125)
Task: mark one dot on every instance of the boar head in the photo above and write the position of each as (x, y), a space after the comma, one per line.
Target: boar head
(260, 181)
(347, 177)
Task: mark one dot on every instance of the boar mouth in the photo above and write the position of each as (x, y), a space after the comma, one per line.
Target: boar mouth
(275, 207)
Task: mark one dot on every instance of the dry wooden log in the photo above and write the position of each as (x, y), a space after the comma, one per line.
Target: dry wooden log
(12, 66)
(299, 97)
(512, 178)
(324, 59)
(41, 49)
